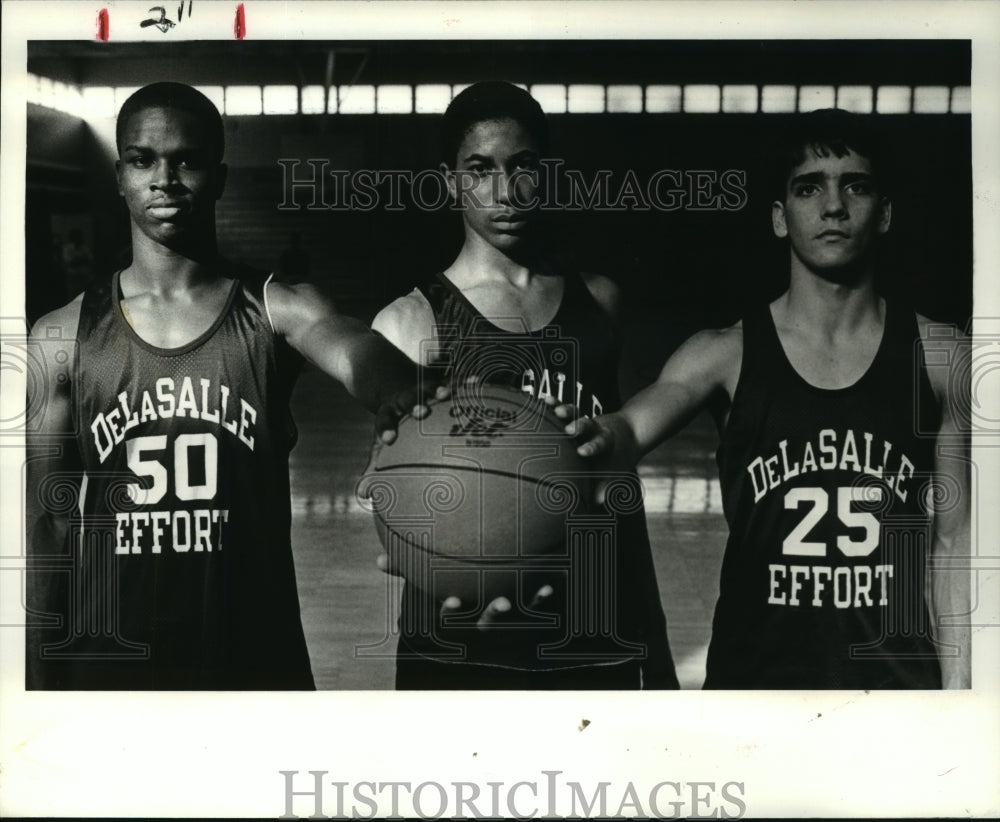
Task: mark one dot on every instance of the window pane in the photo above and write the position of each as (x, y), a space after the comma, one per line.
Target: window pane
(356, 99)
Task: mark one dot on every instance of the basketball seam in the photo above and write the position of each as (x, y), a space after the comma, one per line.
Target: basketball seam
(501, 561)
(493, 471)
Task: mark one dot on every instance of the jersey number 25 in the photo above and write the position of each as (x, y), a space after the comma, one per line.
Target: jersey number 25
(797, 545)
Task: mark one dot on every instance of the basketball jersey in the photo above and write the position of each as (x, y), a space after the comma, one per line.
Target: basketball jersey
(185, 576)
(825, 492)
(615, 614)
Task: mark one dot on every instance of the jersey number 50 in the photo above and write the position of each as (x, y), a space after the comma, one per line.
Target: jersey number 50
(185, 446)
(796, 544)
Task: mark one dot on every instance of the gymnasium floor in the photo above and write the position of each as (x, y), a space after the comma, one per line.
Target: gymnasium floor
(349, 606)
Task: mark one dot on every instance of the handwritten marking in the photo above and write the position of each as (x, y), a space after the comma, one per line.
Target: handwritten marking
(103, 25)
(240, 26)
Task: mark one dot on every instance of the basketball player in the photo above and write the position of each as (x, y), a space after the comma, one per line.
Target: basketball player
(169, 565)
(819, 398)
(502, 313)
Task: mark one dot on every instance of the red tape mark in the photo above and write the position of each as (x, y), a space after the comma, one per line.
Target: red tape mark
(103, 25)
(240, 26)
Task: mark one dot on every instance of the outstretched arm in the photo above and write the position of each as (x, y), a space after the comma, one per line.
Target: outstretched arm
(706, 365)
(372, 369)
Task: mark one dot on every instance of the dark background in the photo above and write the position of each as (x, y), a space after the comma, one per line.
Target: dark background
(682, 270)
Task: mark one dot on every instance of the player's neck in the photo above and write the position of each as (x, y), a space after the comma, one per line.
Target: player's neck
(826, 307)
(478, 261)
(159, 269)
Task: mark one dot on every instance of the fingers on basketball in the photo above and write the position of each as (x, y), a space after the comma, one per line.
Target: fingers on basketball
(493, 614)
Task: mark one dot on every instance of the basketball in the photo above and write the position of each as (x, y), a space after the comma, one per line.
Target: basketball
(480, 494)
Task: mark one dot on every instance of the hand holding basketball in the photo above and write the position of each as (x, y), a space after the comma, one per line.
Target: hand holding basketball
(597, 442)
(477, 488)
(594, 437)
(412, 402)
(500, 613)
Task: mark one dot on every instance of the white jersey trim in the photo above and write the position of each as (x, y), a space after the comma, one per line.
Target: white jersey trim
(267, 307)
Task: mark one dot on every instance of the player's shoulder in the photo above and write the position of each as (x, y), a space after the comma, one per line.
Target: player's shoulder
(601, 287)
(406, 321)
(281, 294)
(940, 333)
(52, 342)
(294, 306)
(60, 323)
(606, 293)
(412, 304)
(718, 343)
(707, 360)
(949, 342)
(710, 357)
(944, 343)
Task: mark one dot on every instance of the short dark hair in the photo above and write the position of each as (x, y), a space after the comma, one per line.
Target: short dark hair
(491, 100)
(825, 132)
(178, 96)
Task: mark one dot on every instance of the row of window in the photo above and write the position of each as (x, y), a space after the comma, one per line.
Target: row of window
(555, 98)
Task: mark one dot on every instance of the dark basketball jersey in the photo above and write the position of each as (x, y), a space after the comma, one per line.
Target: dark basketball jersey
(611, 608)
(825, 493)
(184, 576)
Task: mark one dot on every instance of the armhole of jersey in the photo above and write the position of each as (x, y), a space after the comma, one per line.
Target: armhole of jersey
(927, 389)
(741, 379)
(429, 304)
(427, 300)
(577, 282)
(83, 328)
(267, 307)
(434, 294)
(81, 502)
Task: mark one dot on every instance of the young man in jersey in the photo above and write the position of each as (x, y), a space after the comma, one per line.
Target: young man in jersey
(485, 316)
(823, 402)
(168, 565)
